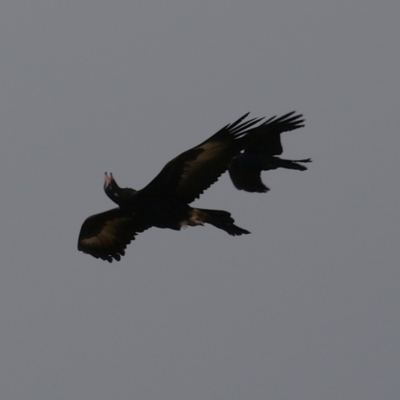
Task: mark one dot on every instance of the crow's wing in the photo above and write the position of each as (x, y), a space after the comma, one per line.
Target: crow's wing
(245, 173)
(266, 139)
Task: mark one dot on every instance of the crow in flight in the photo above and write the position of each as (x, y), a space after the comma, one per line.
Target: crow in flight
(263, 143)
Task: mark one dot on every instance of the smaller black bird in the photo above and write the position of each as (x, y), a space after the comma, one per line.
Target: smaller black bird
(263, 143)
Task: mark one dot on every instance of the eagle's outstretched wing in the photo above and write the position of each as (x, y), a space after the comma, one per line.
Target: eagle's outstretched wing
(107, 234)
(187, 176)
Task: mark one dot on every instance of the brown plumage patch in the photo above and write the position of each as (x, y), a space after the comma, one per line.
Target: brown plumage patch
(107, 234)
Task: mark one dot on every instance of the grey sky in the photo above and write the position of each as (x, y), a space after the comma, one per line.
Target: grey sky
(306, 307)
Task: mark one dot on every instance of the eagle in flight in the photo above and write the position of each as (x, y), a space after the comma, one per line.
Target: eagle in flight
(244, 147)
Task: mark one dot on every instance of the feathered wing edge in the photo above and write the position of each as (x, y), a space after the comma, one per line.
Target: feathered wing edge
(266, 137)
(106, 235)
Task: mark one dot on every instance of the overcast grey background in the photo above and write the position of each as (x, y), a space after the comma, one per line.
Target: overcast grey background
(307, 307)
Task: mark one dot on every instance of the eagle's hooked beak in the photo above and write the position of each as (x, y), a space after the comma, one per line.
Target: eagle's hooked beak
(108, 179)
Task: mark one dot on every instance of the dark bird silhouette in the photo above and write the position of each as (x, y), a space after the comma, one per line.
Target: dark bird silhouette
(164, 202)
(263, 143)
